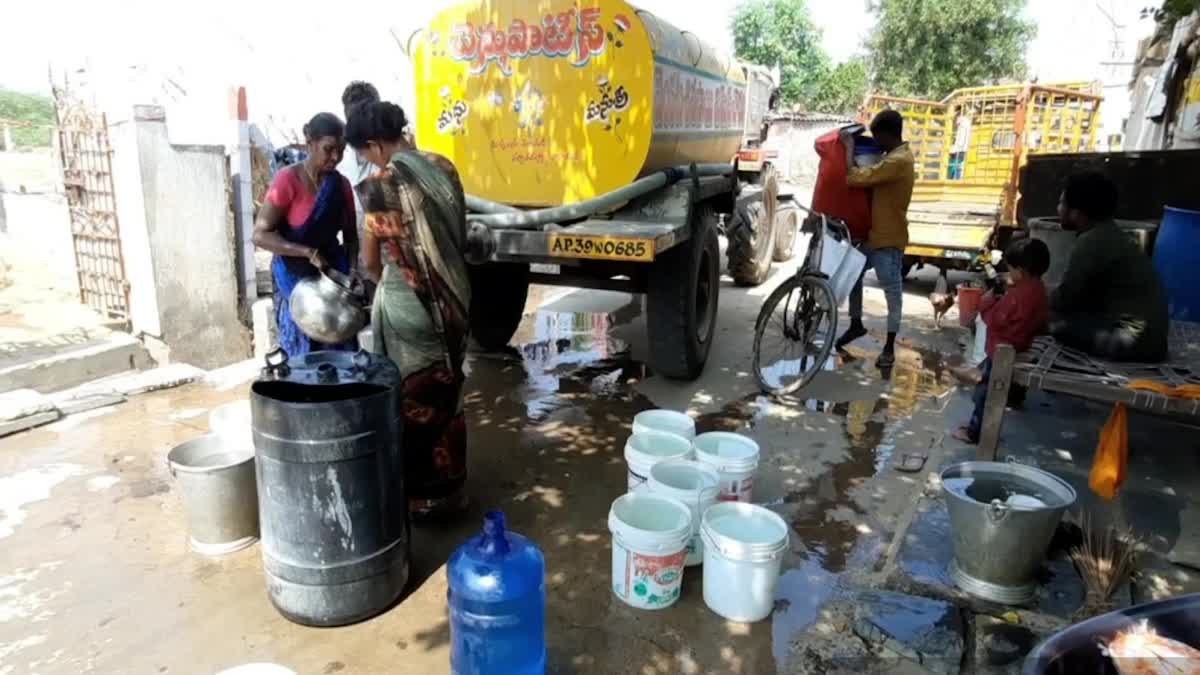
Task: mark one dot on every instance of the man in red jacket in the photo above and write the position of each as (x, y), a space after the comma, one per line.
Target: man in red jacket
(1012, 318)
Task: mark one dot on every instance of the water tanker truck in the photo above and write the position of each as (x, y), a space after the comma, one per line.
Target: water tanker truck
(597, 143)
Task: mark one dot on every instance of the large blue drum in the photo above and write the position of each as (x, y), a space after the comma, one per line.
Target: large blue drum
(1177, 259)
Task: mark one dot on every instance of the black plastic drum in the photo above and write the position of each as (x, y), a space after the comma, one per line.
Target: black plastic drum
(331, 500)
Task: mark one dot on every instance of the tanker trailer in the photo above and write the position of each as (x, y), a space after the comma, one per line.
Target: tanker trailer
(598, 143)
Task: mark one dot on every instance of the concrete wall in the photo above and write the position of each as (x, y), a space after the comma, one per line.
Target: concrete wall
(179, 243)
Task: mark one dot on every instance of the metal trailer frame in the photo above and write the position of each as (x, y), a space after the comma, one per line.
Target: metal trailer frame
(954, 220)
(652, 231)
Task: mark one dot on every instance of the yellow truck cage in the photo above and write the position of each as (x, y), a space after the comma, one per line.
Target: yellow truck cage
(969, 149)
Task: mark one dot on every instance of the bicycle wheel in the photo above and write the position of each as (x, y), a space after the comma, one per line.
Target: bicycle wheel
(794, 334)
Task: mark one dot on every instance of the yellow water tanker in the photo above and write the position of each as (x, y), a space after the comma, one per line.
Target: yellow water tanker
(555, 101)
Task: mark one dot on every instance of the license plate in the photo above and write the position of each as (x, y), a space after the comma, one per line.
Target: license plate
(601, 248)
(924, 251)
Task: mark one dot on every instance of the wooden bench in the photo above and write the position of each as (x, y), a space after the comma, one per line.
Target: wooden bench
(1050, 366)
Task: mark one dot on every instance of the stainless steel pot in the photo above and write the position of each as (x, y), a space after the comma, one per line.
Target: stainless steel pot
(330, 308)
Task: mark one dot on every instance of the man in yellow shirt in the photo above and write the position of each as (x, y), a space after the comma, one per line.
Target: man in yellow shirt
(891, 184)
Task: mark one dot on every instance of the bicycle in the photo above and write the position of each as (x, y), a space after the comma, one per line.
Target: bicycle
(807, 326)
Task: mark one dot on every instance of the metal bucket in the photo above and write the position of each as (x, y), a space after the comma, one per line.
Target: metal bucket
(219, 494)
(999, 540)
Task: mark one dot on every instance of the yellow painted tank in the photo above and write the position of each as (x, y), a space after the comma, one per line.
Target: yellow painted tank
(555, 101)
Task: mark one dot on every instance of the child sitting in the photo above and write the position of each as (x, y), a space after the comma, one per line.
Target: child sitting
(1012, 318)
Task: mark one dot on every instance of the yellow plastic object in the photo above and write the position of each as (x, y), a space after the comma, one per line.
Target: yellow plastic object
(552, 102)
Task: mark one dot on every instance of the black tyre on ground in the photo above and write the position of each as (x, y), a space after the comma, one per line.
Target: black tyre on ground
(681, 302)
(498, 294)
(907, 266)
(794, 334)
(787, 224)
(751, 233)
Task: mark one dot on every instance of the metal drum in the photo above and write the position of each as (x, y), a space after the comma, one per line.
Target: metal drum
(331, 499)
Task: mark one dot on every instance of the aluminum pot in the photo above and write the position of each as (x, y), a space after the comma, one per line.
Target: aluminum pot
(330, 307)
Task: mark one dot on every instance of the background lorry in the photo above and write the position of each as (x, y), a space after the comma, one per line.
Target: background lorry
(599, 145)
(970, 148)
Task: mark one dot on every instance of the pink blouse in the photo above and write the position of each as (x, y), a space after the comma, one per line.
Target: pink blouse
(289, 192)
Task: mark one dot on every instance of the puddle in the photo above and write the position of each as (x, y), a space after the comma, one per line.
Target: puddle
(570, 379)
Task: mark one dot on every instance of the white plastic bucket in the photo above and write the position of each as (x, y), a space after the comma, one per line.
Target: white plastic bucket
(735, 457)
(649, 548)
(743, 550)
(667, 421)
(644, 450)
(695, 484)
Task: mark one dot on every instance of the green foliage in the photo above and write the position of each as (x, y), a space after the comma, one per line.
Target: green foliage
(841, 89)
(32, 108)
(780, 32)
(928, 48)
(1173, 10)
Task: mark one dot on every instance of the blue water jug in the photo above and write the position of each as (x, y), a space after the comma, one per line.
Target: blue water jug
(497, 603)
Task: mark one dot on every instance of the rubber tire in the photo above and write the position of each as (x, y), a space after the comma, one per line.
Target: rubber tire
(498, 295)
(819, 285)
(751, 232)
(751, 245)
(787, 224)
(677, 350)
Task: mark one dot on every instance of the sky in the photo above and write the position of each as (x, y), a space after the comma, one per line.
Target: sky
(292, 52)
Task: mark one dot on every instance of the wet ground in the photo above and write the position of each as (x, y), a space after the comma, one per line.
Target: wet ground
(96, 575)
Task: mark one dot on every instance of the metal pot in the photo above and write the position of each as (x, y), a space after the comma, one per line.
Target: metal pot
(330, 308)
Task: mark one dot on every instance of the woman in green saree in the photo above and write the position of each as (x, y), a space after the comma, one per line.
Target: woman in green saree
(413, 243)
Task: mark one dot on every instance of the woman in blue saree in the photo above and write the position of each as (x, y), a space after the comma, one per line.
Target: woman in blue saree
(308, 205)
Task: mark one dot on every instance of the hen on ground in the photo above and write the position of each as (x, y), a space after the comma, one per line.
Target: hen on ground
(942, 300)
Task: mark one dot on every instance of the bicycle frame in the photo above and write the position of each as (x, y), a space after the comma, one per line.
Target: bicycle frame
(834, 227)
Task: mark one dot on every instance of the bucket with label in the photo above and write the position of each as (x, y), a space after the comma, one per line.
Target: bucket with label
(650, 534)
(647, 448)
(696, 485)
(743, 550)
(667, 421)
(735, 457)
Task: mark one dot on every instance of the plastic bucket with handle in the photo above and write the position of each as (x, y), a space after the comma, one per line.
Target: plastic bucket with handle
(695, 484)
(650, 534)
(735, 457)
(647, 448)
(743, 551)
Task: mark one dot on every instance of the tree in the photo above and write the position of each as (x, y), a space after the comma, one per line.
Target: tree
(928, 48)
(840, 89)
(780, 32)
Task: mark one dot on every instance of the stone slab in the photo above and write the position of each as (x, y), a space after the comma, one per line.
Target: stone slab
(28, 422)
(75, 365)
(920, 630)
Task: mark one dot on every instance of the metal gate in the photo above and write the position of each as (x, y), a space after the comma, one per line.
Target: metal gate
(86, 156)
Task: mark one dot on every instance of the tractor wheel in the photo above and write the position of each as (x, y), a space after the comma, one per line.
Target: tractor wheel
(681, 302)
(787, 224)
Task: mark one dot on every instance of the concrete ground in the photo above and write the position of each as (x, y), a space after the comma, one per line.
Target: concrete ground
(96, 575)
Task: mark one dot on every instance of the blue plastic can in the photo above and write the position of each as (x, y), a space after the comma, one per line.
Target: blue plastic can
(497, 602)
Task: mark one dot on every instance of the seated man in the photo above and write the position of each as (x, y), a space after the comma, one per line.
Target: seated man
(1110, 302)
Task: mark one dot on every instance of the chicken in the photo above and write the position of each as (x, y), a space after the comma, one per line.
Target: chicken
(942, 300)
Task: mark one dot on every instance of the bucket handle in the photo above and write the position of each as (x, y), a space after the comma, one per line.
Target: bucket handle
(997, 511)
